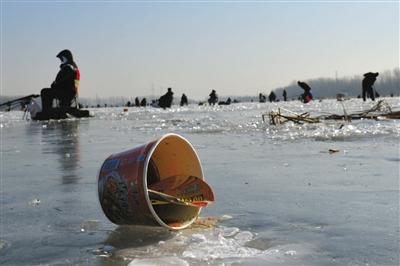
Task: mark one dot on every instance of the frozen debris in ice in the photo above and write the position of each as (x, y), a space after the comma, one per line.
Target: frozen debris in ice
(330, 151)
(243, 237)
(283, 115)
(35, 202)
(108, 248)
(270, 251)
(209, 221)
(90, 225)
(229, 231)
(197, 238)
(226, 217)
(291, 252)
(205, 222)
(3, 244)
(104, 251)
(166, 261)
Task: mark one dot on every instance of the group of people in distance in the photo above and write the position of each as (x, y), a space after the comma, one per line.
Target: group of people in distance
(165, 101)
(367, 90)
(138, 103)
(271, 97)
(66, 86)
(305, 97)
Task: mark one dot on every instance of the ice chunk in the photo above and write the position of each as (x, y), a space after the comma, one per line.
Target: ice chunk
(35, 202)
(90, 225)
(229, 231)
(290, 252)
(196, 238)
(243, 237)
(166, 261)
(105, 251)
(3, 244)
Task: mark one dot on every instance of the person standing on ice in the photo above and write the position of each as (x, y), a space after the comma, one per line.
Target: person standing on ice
(307, 95)
(137, 102)
(213, 98)
(66, 85)
(284, 94)
(184, 100)
(272, 97)
(367, 85)
(262, 98)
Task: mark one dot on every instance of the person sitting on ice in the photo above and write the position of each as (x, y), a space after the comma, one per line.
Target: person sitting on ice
(307, 95)
(165, 101)
(227, 102)
(65, 86)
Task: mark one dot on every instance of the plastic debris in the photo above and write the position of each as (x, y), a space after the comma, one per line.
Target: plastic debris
(35, 202)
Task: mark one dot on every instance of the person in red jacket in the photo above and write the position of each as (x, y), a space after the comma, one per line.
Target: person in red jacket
(307, 95)
(65, 86)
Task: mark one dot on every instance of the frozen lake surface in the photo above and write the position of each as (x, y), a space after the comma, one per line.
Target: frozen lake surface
(281, 197)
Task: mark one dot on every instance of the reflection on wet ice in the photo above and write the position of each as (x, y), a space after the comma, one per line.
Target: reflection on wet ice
(62, 138)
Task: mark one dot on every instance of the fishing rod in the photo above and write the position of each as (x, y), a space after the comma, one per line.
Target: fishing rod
(23, 100)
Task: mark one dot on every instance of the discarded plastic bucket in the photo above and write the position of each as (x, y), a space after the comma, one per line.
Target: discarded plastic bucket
(124, 179)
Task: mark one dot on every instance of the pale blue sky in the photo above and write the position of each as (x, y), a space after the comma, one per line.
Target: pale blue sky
(236, 48)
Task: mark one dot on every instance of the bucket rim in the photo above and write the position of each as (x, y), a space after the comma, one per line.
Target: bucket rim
(146, 194)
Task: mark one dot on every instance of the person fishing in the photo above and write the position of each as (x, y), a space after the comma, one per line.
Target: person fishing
(143, 102)
(284, 94)
(262, 98)
(165, 101)
(213, 98)
(184, 100)
(307, 95)
(272, 97)
(367, 85)
(66, 85)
